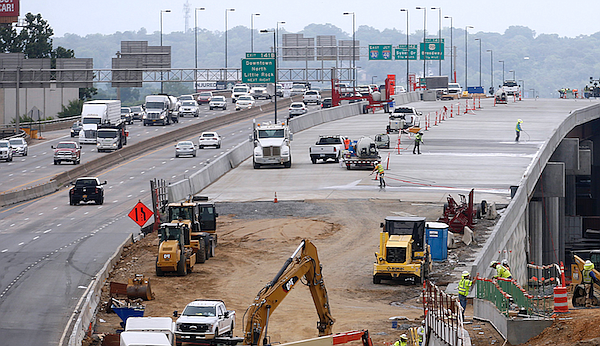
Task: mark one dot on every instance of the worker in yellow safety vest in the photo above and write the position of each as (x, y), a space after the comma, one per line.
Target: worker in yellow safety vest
(421, 332)
(502, 271)
(518, 129)
(380, 172)
(588, 279)
(464, 286)
(403, 341)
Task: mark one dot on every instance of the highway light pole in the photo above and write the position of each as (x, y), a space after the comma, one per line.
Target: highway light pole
(252, 30)
(522, 86)
(439, 35)
(452, 73)
(502, 61)
(264, 31)
(514, 78)
(424, 31)
(196, 45)
(466, 56)
(227, 10)
(478, 39)
(353, 47)
(407, 51)
(277, 34)
(372, 78)
(161, 34)
(492, 70)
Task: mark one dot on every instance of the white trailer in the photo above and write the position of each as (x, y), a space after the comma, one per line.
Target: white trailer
(97, 112)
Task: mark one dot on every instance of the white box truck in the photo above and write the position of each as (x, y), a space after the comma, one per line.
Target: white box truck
(161, 325)
(144, 339)
(97, 112)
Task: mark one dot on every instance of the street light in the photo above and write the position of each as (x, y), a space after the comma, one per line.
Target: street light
(161, 34)
(522, 86)
(424, 31)
(372, 78)
(353, 46)
(466, 55)
(196, 43)
(252, 30)
(277, 34)
(492, 71)
(407, 51)
(502, 61)
(264, 31)
(439, 34)
(227, 10)
(452, 73)
(513, 72)
(478, 39)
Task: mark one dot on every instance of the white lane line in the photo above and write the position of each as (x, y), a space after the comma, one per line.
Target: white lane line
(4, 250)
(129, 196)
(21, 243)
(48, 230)
(12, 225)
(36, 237)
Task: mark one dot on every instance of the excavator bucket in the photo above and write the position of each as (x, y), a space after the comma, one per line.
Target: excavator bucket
(139, 287)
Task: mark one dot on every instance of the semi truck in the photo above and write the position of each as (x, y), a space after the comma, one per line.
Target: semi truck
(97, 112)
(403, 252)
(111, 136)
(271, 144)
(160, 109)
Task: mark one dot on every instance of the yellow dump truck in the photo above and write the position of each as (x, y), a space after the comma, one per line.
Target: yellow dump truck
(403, 253)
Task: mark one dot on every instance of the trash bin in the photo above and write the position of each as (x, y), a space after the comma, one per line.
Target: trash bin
(436, 236)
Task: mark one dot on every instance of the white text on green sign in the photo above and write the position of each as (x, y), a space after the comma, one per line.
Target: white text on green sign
(380, 52)
(260, 55)
(258, 70)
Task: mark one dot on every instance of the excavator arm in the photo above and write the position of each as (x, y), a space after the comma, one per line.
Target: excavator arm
(304, 262)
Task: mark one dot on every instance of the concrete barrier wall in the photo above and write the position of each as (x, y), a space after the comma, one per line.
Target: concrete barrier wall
(510, 233)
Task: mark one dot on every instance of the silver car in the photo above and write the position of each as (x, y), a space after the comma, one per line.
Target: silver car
(19, 146)
(185, 148)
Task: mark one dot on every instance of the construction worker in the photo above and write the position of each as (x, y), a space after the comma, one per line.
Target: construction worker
(418, 141)
(518, 128)
(501, 271)
(588, 278)
(403, 341)
(380, 172)
(464, 286)
(421, 332)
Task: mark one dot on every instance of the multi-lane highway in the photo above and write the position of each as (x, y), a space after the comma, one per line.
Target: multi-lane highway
(49, 250)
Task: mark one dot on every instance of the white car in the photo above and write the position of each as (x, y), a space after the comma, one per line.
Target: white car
(5, 151)
(454, 88)
(185, 148)
(209, 139)
(189, 107)
(260, 92)
(244, 102)
(239, 90)
(19, 146)
(218, 102)
(297, 108)
(297, 89)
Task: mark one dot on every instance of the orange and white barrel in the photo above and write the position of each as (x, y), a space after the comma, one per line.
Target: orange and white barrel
(561, 302)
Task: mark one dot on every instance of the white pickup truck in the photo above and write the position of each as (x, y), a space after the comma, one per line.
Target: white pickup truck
(311, 96)
(327, 147)
(204, 320)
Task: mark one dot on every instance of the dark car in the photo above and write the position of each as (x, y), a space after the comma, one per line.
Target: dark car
(75, 129)
(87, 189)
(327, 103)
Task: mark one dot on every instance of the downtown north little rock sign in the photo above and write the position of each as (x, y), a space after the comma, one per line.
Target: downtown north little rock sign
(258, 68)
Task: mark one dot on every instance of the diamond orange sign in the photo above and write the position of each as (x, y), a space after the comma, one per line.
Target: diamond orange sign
(140, 214)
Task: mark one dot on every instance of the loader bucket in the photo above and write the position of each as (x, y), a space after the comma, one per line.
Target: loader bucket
(139, 287)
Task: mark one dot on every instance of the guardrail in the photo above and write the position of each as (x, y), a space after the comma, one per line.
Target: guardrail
(443, 316)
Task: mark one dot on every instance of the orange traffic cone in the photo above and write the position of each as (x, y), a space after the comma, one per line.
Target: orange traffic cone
(275, 200)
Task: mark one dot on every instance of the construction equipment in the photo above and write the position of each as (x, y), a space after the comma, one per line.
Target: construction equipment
(500, 97)
(340, 92)
(457, 216)
(304, 262)
(403, 253)
(175, 253)
(189, 213)
(362, 153)
(139, 287)
(579, 294)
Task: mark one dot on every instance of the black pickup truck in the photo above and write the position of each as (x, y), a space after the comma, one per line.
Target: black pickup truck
(87, 189)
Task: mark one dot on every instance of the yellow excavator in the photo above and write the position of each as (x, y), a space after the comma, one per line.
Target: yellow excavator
(304, 262)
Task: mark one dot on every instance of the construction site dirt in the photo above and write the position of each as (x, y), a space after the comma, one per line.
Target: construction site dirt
(255, 239)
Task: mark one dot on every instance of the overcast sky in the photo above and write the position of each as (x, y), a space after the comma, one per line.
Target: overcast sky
(83, 17)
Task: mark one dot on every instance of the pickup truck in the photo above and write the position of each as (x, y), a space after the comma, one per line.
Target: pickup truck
(67, 151)
(327, 147)
(204, 320)
(311, 96)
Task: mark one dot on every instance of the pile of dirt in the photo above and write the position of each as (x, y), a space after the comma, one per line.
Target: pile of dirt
(253, 246)
(579, 327)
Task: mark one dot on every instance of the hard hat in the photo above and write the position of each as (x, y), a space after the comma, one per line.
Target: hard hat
(504, 262)
(493, 264)
(403, 337)
(519, 121)
(588, 265)
(423, 322)
(465, 274)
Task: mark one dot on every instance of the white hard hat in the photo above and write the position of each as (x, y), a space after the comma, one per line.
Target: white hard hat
(505, 262)
(465, 273)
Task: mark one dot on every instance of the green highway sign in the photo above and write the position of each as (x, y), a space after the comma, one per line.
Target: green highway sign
(432, 49)
(260, 55)
(258, 70)
(380, 52)
(401, 53)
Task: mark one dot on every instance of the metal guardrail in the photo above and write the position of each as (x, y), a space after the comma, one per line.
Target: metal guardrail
(443, 315)
(507, 294)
